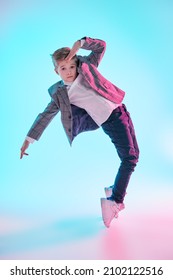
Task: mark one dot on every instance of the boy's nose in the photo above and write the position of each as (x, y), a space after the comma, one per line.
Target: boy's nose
(69, 72)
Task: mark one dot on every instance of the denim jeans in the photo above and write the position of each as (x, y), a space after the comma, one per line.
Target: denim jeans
(120, 129)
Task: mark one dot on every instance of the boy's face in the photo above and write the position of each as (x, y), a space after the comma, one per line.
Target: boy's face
(66, 69)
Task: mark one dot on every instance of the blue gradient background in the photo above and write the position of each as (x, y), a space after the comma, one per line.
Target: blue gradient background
(56, 186)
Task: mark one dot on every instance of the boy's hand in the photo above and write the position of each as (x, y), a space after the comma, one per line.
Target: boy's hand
(23, 149)
(73, 50)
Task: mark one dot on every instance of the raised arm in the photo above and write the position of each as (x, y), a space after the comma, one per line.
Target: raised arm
(96, 46)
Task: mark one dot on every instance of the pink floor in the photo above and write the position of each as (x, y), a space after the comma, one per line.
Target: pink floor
(142, 231)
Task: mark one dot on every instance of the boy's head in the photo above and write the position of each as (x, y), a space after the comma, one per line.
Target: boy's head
(66, 69)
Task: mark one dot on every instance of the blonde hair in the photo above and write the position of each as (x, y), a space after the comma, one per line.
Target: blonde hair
(61, 54)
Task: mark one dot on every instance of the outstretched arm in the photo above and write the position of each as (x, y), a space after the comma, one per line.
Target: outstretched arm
(39, 125)
(23, 149)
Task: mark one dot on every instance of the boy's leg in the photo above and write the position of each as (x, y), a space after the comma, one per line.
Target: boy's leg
(119, 128)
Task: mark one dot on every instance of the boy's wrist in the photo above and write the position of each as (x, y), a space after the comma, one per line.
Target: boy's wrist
(82, 41)
(29, 139)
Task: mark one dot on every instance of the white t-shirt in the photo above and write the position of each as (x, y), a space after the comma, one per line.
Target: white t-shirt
(98, 107)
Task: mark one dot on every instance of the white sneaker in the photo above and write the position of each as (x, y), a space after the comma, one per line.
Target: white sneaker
(110, 210)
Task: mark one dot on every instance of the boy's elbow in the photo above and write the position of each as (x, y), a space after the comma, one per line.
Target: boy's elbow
(104, 43)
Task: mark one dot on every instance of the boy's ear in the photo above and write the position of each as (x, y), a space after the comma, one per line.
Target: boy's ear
(56, 71)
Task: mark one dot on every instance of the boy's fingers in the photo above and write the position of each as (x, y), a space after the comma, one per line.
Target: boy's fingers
(22, 154)
(73, 51)
(70, 56)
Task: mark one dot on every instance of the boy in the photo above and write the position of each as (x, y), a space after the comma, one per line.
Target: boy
(87, 101)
